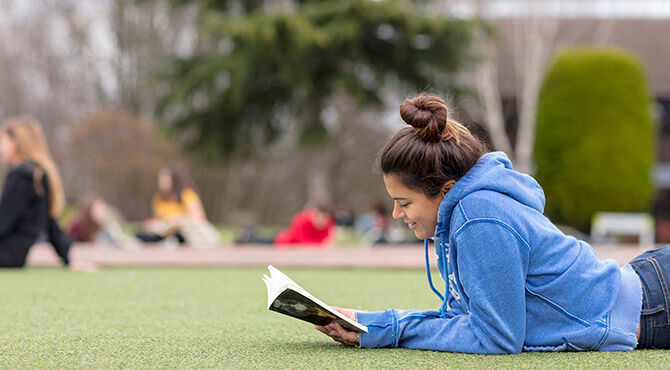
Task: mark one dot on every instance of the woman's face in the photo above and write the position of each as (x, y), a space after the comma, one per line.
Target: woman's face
(7, 148)
(320, 219)
(415, 208)
(164, 181)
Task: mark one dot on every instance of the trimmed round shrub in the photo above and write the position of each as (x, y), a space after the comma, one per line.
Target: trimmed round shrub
(595, 140)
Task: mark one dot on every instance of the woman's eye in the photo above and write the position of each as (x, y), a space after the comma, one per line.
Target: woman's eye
(403, 205)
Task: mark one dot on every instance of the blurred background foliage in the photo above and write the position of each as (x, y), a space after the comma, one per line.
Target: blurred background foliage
(268, 105)
(595, 136)
(124, 144)
(292, 72)
(272, 71)
(275, 103)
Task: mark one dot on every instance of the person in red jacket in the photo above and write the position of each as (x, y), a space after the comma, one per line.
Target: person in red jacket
(313, 226)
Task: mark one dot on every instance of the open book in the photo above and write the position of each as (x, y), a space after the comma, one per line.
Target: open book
(287, 297)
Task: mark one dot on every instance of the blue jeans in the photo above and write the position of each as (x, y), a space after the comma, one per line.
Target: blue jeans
(653, 267)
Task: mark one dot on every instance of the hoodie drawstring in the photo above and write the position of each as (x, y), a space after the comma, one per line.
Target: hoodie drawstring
(430, 280)
(446, 271)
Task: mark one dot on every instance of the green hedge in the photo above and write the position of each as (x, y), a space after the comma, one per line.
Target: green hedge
(595, 141)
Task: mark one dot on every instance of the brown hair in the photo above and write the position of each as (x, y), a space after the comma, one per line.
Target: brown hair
(435, 152)
(177, 184)
(88, 226)
(31, 145)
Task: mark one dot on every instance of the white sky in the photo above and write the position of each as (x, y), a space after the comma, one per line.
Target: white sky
(654, 9)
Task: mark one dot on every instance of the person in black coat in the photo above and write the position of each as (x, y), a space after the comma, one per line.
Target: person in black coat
(32, 194)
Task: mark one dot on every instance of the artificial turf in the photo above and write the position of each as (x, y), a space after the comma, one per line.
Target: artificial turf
(205, 317)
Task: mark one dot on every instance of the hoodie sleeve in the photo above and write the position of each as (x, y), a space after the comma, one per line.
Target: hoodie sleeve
(16, 195)
(58, 240)
(491, 264)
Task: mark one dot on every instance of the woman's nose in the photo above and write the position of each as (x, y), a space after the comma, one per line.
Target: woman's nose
(396, 212)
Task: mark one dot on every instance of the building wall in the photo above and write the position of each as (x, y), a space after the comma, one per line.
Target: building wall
(662, 204)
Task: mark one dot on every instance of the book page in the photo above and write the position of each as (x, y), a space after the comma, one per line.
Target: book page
(294, 304)
(287, 297)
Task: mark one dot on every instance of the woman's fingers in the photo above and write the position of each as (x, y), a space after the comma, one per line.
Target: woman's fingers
(344, 336)
(328, 330)
(322, 329)
(339, 334)
(346, 312)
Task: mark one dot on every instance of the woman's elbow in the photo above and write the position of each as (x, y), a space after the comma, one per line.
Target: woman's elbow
(501, 346)
(510, 347)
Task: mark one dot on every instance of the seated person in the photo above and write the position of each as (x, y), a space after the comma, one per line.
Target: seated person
(380, 225)
(314, 225)
(97, 222)
(178, 213)
(32, 194)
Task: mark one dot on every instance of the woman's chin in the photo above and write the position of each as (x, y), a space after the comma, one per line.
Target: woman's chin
(421, 235)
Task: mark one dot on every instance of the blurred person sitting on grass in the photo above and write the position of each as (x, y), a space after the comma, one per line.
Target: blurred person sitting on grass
(97, 222)
(378, 232)
(513, 281)
(32, 195)
(178, 214)
(314, 227)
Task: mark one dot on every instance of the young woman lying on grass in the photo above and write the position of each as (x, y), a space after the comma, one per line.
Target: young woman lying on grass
(514, 282)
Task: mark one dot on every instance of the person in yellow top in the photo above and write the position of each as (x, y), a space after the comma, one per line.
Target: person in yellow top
(187, 201)
(178, 213)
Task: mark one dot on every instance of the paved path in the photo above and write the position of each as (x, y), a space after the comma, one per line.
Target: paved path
(387, 257)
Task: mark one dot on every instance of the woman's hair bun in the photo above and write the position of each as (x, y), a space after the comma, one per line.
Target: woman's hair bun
(428, 115)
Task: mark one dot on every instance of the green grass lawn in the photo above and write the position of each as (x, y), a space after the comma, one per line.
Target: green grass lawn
(204, 317)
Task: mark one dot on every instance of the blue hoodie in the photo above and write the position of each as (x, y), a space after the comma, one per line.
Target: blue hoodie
(514, 281)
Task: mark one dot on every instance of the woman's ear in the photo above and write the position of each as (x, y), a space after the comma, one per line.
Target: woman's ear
(447, 186)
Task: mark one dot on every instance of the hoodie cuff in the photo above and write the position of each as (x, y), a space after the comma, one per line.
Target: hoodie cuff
(382, 327)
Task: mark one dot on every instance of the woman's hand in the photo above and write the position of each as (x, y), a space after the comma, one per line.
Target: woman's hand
(346, 312)
(82, 265)
(340, 334)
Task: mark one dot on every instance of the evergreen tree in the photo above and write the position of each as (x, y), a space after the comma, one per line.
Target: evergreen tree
(595, 136)
(267, 69)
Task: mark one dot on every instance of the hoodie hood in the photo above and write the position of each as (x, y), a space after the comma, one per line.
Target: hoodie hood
(493, 171)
